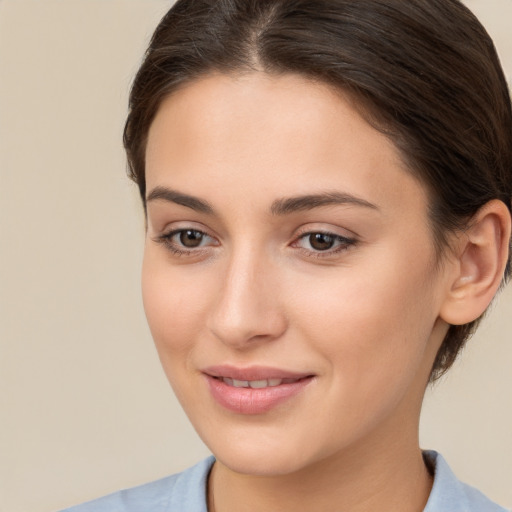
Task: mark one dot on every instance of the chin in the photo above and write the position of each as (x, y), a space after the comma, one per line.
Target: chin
(261, 462)
(260, 454)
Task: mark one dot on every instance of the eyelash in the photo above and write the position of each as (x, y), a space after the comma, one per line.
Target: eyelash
(166, 240)
(344, 243)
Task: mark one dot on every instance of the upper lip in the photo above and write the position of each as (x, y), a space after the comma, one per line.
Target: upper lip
(253, 373)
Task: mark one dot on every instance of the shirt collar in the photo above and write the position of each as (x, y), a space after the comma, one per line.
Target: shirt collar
(449, 494)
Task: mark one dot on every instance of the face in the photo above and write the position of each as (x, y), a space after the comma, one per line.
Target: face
(288, 273)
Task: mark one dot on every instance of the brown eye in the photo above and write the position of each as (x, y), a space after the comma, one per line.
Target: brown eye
(321, 241)
(191, 238)
(318, 243)
(183, 242)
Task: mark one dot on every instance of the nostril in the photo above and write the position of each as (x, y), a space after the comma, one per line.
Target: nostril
(246, 310)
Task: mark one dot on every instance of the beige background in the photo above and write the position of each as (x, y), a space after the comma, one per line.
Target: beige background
(84, 406)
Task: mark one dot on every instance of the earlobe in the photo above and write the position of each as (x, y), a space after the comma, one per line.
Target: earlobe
(481, 256)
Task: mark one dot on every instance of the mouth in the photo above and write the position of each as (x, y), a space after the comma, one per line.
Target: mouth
(256, 384)
(254, 390)
(254, 374)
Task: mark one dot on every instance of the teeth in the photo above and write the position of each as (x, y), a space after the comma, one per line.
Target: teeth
(240, 383)
(256, 384)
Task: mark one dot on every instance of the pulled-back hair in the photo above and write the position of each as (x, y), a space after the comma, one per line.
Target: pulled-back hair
(424, 72)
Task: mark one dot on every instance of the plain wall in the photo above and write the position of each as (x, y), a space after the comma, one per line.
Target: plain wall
(85, 408)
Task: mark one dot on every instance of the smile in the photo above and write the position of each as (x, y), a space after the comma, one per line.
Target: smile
(255, 390)
(256, 384)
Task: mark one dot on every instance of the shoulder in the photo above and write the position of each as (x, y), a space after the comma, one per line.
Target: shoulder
(450, 494)
(175, 493)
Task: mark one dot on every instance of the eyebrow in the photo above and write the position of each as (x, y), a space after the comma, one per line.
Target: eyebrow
(283, 206)
(172, 196)
(308, 202)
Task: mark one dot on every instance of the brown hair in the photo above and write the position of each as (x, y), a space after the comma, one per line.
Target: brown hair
(425, 72)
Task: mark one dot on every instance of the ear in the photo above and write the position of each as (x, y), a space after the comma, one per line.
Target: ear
(481, 256)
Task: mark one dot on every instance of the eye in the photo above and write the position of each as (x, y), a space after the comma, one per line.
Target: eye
(321, 242)
(190, 238)
(185, 241)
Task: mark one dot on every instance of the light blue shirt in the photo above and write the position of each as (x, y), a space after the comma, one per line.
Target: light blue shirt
(186, 492)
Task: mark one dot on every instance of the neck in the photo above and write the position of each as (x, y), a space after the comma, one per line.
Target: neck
(378, 474)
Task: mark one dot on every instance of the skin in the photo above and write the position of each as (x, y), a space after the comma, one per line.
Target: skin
(364, 317)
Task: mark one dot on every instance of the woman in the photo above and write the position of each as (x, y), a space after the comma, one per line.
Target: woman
(327, 188)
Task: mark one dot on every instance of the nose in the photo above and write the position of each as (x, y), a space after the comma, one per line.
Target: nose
(247, 309)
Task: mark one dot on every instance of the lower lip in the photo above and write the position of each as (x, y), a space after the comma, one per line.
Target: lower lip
(254, 401)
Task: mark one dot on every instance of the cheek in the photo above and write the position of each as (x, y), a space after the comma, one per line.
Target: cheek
(371, 323)
(173, 304)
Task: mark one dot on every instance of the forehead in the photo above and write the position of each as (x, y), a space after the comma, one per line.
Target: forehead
(272, 134)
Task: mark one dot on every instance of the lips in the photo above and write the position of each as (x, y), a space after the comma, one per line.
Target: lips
(256, 384)
(254, 390)
(253, 373)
